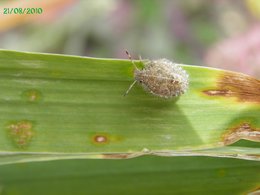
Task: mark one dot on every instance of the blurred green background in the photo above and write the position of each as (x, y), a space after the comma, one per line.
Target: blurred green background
(218, 33)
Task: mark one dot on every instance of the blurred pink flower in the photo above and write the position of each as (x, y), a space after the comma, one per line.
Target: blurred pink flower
(240, 54)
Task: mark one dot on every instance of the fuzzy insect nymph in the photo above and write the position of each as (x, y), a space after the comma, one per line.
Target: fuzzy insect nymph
(161, 77)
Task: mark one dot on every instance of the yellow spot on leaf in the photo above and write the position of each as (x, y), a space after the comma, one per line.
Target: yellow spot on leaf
(21, 132)
(221, 173)
(32, 95)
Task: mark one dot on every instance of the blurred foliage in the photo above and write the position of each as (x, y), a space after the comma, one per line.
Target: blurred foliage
(187, 31)
(254, 6)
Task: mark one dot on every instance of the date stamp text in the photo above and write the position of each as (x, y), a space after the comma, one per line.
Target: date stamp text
(21, 11)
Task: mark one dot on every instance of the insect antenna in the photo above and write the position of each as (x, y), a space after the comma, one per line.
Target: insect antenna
(130, 58)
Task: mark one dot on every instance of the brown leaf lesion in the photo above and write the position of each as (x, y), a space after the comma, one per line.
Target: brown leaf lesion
(241, 131)
(115, 156)
(255, 191)
(230, 84)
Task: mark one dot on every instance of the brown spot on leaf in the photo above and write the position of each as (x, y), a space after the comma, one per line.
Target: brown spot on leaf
(121, 155)
(116, 156)
(21, 132)
(255, 191)
(217, 92)
(242, 87)
(104, 138)
(241, 131)
(100, 139)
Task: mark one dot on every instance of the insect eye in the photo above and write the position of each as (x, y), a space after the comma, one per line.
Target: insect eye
(140, 81)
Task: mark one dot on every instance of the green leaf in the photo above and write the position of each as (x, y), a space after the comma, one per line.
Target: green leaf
(54, 106)
(144, 175)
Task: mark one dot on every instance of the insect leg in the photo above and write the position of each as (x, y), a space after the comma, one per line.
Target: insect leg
(131, 86)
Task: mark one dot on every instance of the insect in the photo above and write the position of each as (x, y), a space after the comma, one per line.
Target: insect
(161, 77)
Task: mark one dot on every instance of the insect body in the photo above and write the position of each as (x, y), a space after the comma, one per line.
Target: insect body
(161, 77)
